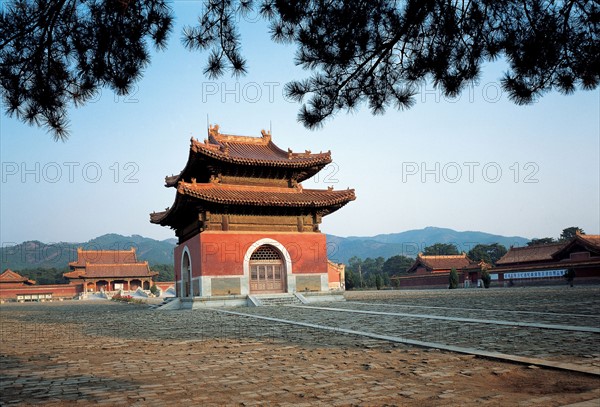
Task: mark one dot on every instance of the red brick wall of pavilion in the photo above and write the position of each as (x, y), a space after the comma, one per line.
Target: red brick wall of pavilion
(219, 254)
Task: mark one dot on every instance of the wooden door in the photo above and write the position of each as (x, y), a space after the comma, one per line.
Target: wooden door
(267, 274)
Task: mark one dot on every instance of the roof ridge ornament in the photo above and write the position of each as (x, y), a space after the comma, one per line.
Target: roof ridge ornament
(266, 135)
(213, 130)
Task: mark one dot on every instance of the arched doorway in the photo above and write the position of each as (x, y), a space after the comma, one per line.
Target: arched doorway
(267, 271)
(186, 275)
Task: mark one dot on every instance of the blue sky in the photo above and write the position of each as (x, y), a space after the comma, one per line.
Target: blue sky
(476, 163)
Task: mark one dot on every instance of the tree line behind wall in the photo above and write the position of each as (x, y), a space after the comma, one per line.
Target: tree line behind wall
(376, 273)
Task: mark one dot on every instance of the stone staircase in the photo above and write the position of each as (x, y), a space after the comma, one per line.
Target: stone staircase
(267, 300)
(168, 303)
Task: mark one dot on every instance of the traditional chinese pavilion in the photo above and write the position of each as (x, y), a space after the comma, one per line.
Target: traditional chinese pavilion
(245, 223)
(110, 270)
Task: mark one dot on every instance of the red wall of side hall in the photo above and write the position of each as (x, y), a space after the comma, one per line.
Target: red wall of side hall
(222, 253)
(57, 290)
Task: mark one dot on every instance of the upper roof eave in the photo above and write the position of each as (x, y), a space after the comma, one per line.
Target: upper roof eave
(250, 151)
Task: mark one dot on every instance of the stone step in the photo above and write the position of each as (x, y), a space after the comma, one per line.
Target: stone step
(277, 300)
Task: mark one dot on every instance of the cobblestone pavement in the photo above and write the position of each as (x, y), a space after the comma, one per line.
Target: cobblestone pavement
(79, 353)
(552, 305)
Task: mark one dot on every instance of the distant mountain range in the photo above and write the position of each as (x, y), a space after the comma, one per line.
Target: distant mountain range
(411, 242)
(35, 254)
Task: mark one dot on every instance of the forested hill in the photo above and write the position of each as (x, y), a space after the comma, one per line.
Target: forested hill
(34, 254)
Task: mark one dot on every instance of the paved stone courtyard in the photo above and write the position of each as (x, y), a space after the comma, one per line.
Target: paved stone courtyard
(96, 352)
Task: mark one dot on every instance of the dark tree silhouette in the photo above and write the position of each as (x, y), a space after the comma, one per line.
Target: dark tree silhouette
(378, 51)
(440, 249)
(56, 53)
(570, 233)
(53, 53)
(541, 241)
(490, 253)
(397, 264)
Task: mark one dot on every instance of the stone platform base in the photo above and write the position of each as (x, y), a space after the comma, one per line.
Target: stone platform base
(249, 300)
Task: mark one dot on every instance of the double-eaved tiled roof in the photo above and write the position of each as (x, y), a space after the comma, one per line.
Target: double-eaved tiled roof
(247, 175)
(119, 270)
(108, 264)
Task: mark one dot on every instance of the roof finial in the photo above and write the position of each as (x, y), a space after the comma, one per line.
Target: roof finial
(266, 135)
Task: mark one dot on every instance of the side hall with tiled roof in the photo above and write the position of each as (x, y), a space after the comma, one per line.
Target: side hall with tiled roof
(581, 254)
(15, 287)
(433, 271)
(440, 263)
(110, 270)
(10, 279)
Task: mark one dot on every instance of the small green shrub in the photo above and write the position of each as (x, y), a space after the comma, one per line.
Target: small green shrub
(453, 279)
(570, 276)
(486, 278)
